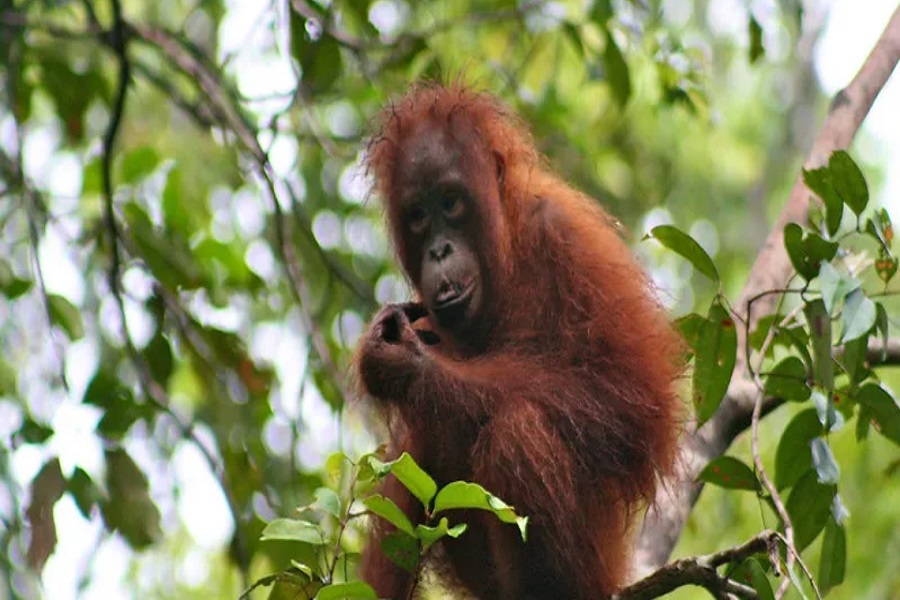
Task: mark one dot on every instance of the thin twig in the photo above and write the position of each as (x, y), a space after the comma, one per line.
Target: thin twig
(757, 457)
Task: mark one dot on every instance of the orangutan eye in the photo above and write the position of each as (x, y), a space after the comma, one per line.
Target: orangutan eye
(453, 206)
(417, 219)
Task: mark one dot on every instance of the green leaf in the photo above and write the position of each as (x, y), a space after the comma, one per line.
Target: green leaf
(305, 570)
(158, 355)
(858, 316)
(823, 461)
(863, 420)
(834, 286)
(882, 325)
(11, 286)
(690, 327)
(874, 230)
(676, 240)
(616, 70)
(66, 316)
(167, 256)
(832, 557)
(750, 572)
(129, 508)
(34, 433)
(793, 457)
(819, 321)
(885, 266)
(601, 11)
(139, 163)
(830, 418)
(84, 491)
(809, 506)
(8, 379)
(402, 550)
(319, 60)
(429, 535)
(388, 510)
(807, 252)
(347, 591)
(466, 495)
(410, 474)
(46, 488)
(848, 181)
(883, 410)
(853, 359)
(328, 501)
(714, 362)
(730, 473)
(788, 380)
(294, 530)
(756, 50)
(818, 181)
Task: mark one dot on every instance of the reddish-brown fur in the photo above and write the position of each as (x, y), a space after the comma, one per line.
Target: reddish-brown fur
(565, 407)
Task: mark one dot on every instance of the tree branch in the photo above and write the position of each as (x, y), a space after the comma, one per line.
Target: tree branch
(701, 570)
(771, 270)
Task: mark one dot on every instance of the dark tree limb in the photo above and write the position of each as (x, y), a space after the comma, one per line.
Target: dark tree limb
(702, 571)
(772, 270)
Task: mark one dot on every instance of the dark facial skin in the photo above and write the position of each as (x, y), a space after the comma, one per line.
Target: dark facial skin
(438, 221)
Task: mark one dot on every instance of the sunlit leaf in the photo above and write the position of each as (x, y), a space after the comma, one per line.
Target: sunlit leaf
(674, 239)
(410, 474)
(388, 510)
(328, 501)
(429, 535)
(354, 590)
(466, 495)
(295, 530)
(8, 379)
(834, 286)
(66, 316)
(139, 163)
(858, 316)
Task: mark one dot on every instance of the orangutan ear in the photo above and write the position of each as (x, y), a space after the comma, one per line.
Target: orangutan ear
(501, 167)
